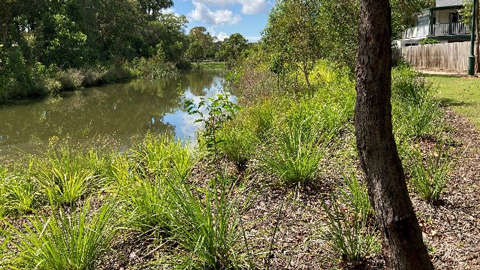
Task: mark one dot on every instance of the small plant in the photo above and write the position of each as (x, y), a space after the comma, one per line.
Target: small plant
(18, 194)
(430, 176)
(348, 232)
(213, 112)
(62, 241)
(165, 156)
(64, 177)
(210, 228)
(296, 153)
(238, 142)
(147, 204)
(429, 41)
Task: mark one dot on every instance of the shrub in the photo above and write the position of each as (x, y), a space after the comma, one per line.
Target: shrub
(210, 228)
(63, 241)
(348, 232)
(18, 194)
(64, 177)
(70, 79)
(430, 175)
(296, 152)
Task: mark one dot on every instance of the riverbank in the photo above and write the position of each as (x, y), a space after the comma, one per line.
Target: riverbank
(41, 81)
(275, 185)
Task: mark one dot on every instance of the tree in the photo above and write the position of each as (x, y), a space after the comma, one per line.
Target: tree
(232, 49)
(201, 43)
(403, 247)
(292, 31)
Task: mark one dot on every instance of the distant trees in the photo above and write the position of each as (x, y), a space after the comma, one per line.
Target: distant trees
(201, 43)
(232, 49)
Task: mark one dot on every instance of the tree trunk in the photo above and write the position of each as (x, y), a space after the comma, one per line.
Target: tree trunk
(403, 247)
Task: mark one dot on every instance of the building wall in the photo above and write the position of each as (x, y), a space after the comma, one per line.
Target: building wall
(446, 3)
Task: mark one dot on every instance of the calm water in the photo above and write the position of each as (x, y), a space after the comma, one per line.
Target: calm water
(119, 112)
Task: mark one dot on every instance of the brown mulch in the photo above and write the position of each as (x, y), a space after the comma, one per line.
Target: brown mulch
(452, 230)
(283, 224)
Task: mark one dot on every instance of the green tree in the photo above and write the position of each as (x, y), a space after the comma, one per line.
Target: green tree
(232, 49)
(293, 31)
(201, 42)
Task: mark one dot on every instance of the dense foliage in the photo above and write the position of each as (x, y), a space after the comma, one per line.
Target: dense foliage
(92, 42)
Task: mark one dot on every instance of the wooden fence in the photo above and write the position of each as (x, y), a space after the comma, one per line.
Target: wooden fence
(445, 56)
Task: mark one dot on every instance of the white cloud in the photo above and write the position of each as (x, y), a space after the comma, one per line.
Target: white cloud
(253, 6)
(248, 6)
(169, 11)
(217, 17)
(220, 36)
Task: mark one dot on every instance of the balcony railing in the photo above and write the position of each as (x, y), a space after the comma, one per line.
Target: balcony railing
(439, 29)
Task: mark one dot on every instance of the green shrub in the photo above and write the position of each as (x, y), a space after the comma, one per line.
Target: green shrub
(415, 111)
(430, 175)
(237, 142)
(296, 152)
(64, 177)
(70, 79)
(209, 228)
(429, 41)
(18, 194)
(65, 241)
(348, 232)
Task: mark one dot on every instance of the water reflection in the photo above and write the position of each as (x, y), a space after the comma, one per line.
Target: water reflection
(119, 111)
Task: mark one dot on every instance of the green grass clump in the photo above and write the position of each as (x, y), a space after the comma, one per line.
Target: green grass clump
(297, 150)
(430, 175)
(64, 176)
(416, 112)
(65, 241)
(209, 228)
(350, 236)
(18, 194)
(237, 142)
(165, 156)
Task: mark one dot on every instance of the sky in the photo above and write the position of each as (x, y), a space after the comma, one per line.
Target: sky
(225, 17)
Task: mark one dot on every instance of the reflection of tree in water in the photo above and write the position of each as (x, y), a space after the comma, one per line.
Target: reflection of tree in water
(122, 109)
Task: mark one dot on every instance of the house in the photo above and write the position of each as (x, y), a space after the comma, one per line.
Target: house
(442, 22)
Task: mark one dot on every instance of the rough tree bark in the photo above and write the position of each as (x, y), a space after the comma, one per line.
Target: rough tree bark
(403, 247)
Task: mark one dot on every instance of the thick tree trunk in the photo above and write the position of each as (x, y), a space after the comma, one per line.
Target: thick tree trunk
(403, 247)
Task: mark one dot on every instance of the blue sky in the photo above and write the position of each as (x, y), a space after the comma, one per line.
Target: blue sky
(225, 17)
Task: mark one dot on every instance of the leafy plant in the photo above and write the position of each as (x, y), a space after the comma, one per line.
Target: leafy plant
(64, 178)
(62, 241)
(17, 194)
(430, 175)
(296, 154)
(213, 113)
(349, 233)
(210, 228)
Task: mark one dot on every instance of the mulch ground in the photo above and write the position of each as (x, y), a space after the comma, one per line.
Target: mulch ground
(283, 225)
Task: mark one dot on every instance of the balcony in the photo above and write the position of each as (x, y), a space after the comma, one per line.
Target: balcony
(437, 30)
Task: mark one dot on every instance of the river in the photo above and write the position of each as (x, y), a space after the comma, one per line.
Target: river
(117, 113)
